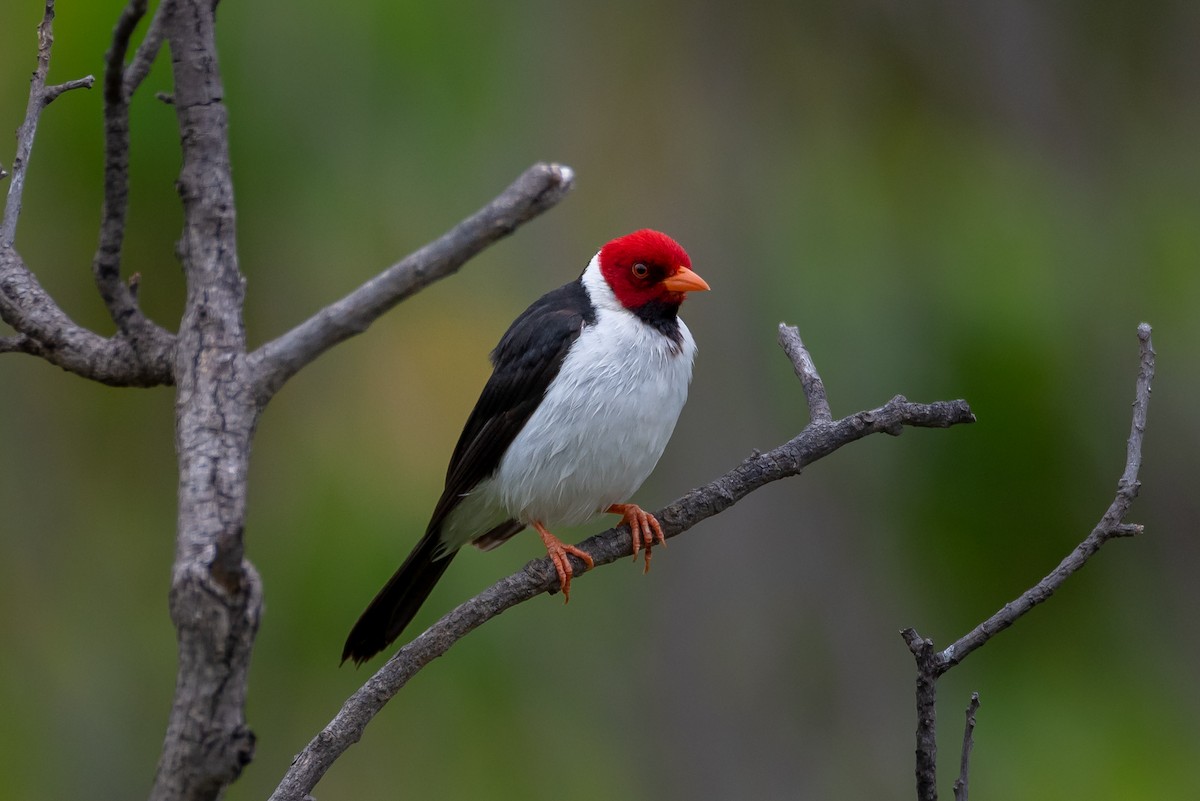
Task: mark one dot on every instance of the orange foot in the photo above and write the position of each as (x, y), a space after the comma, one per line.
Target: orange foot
(643, 526)
(558, 550)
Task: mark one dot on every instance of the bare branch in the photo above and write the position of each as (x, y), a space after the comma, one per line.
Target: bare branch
(216, 594)
(46, 331)
(141, 355)
(806, 371)
(816, 441)
(1111, 525)
(143, 59)
(964, 764)
(40, 96)
(52, 92)
(931, 664)
(536, 190)
(926, 770)
(106, 264)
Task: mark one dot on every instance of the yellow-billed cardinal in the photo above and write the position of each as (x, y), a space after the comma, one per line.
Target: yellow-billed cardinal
(585, 390)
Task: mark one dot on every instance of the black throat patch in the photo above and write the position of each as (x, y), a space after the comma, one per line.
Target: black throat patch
(663, 317)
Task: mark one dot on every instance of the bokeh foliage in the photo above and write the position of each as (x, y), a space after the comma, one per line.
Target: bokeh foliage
(950, 200)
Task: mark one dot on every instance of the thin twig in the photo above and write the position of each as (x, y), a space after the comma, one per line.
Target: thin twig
(52, 92)
(806, 371)
(143, 58)
(40, 96)
(964, 764)
(106, 264)
(814, 442)
(536, 190)
(932, 664)
(28, 128)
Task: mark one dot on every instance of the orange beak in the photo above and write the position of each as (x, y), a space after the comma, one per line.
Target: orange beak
(684, 280)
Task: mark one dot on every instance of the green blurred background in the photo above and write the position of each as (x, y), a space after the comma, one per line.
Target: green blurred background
(976, 200)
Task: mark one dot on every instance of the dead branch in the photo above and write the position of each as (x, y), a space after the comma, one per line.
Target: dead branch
(931, 663)
(43, 329)
(964, 762)
(40, 96)
(119, 298)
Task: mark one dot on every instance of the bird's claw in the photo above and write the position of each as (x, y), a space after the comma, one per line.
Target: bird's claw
(644, 528)
(558, 550)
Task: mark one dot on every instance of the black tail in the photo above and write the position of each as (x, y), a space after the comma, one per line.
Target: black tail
(397, 603)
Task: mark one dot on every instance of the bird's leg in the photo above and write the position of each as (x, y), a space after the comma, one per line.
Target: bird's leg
(643, 526)
(558, 550)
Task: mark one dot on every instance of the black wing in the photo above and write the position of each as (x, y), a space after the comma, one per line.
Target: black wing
(529, 356)
(527, 359)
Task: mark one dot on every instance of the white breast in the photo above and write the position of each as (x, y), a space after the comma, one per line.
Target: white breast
(602, 426)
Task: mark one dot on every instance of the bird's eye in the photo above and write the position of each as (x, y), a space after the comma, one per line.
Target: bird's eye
(641, 270)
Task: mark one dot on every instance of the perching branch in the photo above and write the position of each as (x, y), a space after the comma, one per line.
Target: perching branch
(819, 439)
(536, 190)
(931, 663)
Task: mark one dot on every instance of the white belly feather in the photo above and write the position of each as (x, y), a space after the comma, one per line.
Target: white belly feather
(602, 427)
(597, 435)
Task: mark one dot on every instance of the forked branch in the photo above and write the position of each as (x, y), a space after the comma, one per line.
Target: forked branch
(932, 663)
(43, 328)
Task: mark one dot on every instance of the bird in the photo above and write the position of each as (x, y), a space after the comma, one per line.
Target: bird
(586, 387)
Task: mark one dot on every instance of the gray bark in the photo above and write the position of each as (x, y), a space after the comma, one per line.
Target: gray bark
(216, 596)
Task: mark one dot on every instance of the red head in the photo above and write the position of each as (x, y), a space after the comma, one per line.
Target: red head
(648, 266)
